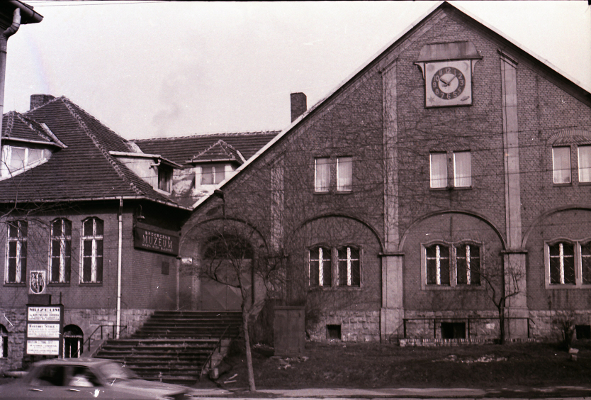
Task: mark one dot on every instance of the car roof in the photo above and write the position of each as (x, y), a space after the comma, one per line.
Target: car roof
(87, 361)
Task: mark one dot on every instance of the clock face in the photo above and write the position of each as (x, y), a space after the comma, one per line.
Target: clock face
(448, 83)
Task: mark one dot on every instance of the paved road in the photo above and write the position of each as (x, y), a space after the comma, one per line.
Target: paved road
(571, 392)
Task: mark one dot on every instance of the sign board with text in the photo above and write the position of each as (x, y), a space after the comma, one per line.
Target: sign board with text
(152, 240)
(44, 330)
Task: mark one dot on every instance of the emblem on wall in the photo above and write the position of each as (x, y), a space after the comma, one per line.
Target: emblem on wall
(37, 282)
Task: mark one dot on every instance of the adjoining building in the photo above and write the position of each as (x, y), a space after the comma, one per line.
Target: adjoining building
(90, 220)
(448, 174)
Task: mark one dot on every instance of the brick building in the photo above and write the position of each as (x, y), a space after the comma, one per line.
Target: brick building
(90, 219)
(451, 169)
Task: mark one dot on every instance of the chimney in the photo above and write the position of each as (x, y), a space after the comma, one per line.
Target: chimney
(298, 105)
(37, 100)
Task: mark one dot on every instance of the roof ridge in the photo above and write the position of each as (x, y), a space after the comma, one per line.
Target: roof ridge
(69, 105)
(193, 135)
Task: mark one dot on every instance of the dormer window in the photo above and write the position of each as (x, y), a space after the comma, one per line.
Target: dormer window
(17, 159)
(165, 179)
(213, 174)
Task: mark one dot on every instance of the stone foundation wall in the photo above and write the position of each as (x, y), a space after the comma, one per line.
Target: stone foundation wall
(546, 325)
(355, 326)
(14, 320)
(427, 325)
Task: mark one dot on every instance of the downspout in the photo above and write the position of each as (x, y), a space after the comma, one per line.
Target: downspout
(119, 249)
(11, 30)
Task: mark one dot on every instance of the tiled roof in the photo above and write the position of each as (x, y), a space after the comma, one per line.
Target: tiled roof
(181, 149)
(17, 127)
(219, 151)
(84, 170)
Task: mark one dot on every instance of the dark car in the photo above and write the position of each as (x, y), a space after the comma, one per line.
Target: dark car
(87, 378)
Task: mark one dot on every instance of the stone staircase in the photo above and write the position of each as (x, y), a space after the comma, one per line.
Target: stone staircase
(173, 346)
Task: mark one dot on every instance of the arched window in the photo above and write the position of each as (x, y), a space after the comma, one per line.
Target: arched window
(320, 266)
(3, 342)
(467, 264)
(73, 341)
(228, 247)
(91, 269)
(61, 251)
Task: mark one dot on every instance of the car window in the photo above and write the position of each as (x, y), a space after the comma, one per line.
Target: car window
(82, 377)
(50, 375)
(113, 370)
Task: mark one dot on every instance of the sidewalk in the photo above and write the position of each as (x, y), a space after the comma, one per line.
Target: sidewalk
(574, 392)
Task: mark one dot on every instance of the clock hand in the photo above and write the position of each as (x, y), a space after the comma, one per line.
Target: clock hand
(444, 82)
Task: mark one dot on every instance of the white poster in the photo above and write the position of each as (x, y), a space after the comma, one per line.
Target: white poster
(42, 313)
(43, 347)
(43, 331)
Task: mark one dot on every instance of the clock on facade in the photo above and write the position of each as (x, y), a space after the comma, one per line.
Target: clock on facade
(448, 83)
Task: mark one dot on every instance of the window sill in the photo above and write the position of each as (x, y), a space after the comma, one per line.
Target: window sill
(14, 284)
(449, 287)
(58, 284)
(91, 284)
(333, 288)
(562, 184)
(450, 188)
(567, 286)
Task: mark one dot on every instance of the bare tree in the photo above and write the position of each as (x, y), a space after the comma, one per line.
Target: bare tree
(231, 259)
(502, 283)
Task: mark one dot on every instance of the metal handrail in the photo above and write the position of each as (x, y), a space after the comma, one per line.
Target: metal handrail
(217, 346)
(87, 341)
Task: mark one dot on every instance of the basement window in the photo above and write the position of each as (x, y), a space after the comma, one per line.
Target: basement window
(333, 332)
(453, 330)
(583, 331)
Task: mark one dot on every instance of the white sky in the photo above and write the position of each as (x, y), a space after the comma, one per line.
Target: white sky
(155, 69)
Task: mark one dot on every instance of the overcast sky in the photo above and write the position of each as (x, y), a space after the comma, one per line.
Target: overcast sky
(164, 69)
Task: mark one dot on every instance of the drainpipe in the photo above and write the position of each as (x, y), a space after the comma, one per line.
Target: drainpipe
(16, 23)
(119, 249)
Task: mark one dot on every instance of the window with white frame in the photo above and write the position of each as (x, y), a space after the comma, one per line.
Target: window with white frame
(91, 269)
(452, 265)
(438, 170)
(462, 169)
(343, 263)
(213, 174)
(344, 174)
(60, 259)
(561, 165)
(17, 159)
(568, 263)
(320, 266)
(584, 163)
(322, 174)
(16, 254)
(348, 266)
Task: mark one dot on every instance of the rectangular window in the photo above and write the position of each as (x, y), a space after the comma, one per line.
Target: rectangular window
(437, 265)
(468, 264)
(438, 168)
(348, 267)
(212, 174)
(561, 164)
(562, 263)
(92, 251)
(61, 251)
(16, 253)
(165, 179)
(462, 169)
(584, 163)
(586, 263)
(344, 174)
(320, 267)
(322, 174)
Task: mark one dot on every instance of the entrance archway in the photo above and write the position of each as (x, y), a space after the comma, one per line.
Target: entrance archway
(73, 341)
